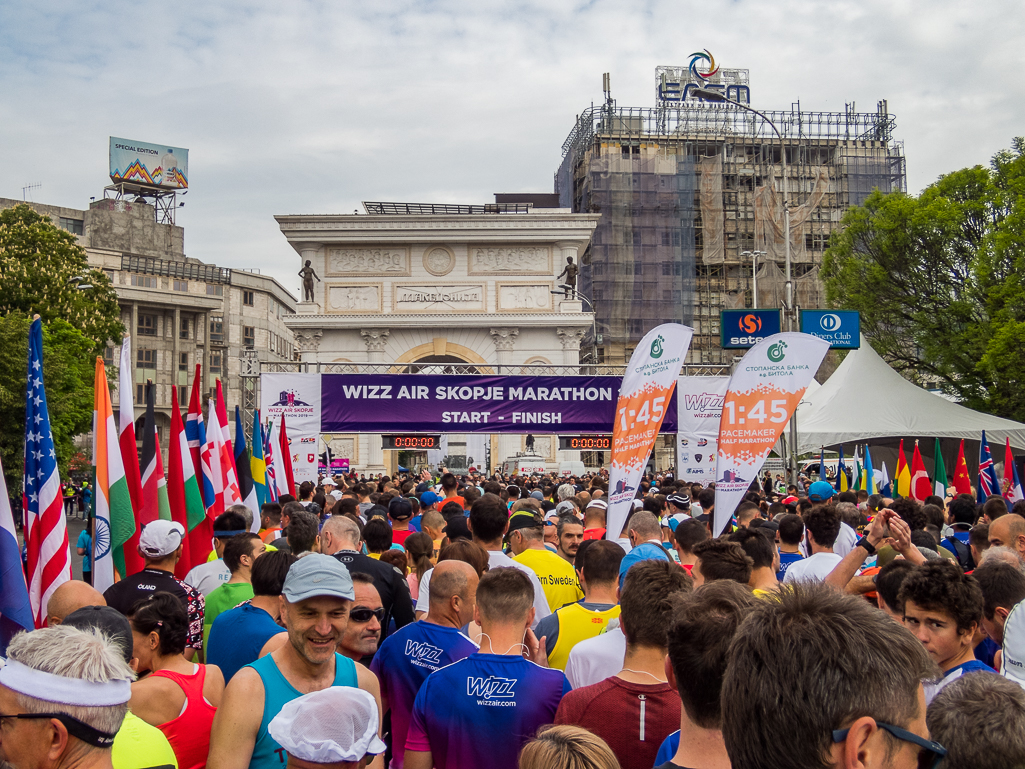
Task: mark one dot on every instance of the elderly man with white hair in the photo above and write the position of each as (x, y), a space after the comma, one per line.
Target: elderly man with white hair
(63, 695)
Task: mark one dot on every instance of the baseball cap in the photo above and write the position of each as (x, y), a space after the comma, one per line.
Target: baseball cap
(400, 509)
(317, 575)
(679, 501)
(537, 494)
(565, 507)
(638, 504)
(525, 519)
(429, 498)
(1013, 664)
(601, 503)
(333, 725)
(328, 481)
(107, 620)
(160, 538)
(790, 500)
(820, 491)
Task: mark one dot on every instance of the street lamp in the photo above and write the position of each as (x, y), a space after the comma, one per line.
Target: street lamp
(754, 274)
(707, 94)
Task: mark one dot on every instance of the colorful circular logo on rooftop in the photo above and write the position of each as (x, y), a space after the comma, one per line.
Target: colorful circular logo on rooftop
(702, 60)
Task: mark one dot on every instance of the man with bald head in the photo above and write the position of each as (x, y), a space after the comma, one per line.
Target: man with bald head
(1009, 531)
(407, 657)
(69, 597)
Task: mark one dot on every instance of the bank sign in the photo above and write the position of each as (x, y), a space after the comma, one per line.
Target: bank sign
(740, 329)
(841, 328)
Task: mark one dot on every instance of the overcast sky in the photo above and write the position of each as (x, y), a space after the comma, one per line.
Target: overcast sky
(313, 107)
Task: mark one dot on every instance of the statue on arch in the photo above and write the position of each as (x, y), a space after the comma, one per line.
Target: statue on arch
(570, 271)
(307, 273)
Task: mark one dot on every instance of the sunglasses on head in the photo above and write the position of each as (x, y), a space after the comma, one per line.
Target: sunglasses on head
(929, 755)
(363, 614)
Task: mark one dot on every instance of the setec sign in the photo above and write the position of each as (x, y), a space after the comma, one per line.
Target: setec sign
(740, 329)
(841, 328)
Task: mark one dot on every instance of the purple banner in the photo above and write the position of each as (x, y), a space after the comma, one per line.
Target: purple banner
(426, 403)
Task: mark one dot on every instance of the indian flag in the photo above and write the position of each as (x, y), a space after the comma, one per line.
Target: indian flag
(113, 520)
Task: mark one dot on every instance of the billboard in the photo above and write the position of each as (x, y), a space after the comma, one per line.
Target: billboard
(841, 328)
(151, 165)
(739, 329)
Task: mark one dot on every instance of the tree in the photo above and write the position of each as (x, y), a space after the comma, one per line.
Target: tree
(939, 280)
(68, 369)
(44, 271)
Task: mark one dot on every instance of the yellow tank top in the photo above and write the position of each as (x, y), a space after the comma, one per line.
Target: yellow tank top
(577, 624)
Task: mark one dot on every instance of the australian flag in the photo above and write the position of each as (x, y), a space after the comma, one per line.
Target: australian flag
(988, 483)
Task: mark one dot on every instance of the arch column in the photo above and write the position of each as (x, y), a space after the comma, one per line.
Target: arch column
(505, 341)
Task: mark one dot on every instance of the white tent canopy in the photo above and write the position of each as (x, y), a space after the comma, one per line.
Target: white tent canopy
(866, 401)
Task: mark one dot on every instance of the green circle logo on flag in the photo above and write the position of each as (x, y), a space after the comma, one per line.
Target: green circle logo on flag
(656, 347)
(777, 352)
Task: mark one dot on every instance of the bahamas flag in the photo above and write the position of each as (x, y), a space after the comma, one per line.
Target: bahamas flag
(113, 520)
(258, 465)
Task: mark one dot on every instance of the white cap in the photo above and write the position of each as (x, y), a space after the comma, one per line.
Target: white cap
(330, 726)
(638, 504)
(160, 538)
(1012, 665)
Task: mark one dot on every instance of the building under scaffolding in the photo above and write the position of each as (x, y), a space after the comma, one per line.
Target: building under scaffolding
(687, 187)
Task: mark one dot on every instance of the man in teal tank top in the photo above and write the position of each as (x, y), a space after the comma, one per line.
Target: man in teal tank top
(315, 605)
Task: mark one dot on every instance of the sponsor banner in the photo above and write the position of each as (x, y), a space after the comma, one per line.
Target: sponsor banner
(644, 405)
(152, 165)
(297, 396)
(426, 403)
(699, 402)
(739, 329)
(841, 328)
(304, 456)
(763, 394)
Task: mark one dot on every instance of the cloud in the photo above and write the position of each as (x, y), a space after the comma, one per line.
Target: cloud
(312, 107)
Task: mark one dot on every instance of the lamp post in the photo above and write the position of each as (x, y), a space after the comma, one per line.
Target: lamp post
(754, 274)
(707, 94)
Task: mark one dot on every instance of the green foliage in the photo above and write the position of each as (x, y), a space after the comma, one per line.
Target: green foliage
(68, 371)
(41, 268)
(939, 280)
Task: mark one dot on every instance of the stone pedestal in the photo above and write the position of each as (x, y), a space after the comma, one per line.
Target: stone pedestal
(571, 305)
(307, 308)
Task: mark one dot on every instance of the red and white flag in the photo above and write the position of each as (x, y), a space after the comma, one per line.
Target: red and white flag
(921, 486)
(46, 531)
(285, 478)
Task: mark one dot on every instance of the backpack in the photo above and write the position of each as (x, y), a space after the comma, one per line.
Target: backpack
(963, 553)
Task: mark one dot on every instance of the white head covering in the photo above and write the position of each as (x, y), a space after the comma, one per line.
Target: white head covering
(330, 726)
(1012, 663)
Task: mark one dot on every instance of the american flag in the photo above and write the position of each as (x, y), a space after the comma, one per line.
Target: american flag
(46, 533)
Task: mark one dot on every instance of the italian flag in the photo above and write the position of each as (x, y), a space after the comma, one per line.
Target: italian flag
(113, 520)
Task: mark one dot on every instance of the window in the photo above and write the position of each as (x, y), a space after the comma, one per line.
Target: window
(109, 274)
(217, 330)
(183, 396)
(249, 336)
(183, 330)
(144, 281)
(74, 226)
(215, 290)
(140, 393)
(181, 285)
(248, 298)
(147, 323)
(183, 361)
(145, 358)
(108, 356)
(215, 361)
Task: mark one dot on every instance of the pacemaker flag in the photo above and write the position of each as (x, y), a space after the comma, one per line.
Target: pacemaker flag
(939, 473)
(903, 477)
(113, 520)
(921, 486)
(129, 450)
(962, 481)
(764, 391)
(643, 399)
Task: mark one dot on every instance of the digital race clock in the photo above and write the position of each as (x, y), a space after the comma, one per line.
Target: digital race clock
(585, 442)
(410, 442)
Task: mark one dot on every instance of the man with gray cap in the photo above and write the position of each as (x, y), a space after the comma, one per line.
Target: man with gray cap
(335, 727)
(315, 603)
(160, 545)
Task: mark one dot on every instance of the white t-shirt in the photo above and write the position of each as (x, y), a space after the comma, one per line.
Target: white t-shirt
(812, 569)
(846, 541)
(208, 576)
(597, 658)
(496, 560)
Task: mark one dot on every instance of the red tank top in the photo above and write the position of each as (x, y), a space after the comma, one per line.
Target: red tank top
(189, 733)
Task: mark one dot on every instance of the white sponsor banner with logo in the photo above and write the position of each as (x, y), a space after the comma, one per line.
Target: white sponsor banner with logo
(643, 399)
(298, 397)
(699, 402)
(763, 393)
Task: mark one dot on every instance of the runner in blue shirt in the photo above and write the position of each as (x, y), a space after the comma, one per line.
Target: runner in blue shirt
(482, 710)
(408, 657)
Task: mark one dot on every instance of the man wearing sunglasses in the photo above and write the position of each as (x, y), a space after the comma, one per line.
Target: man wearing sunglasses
(363, 631)
(819, 679)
